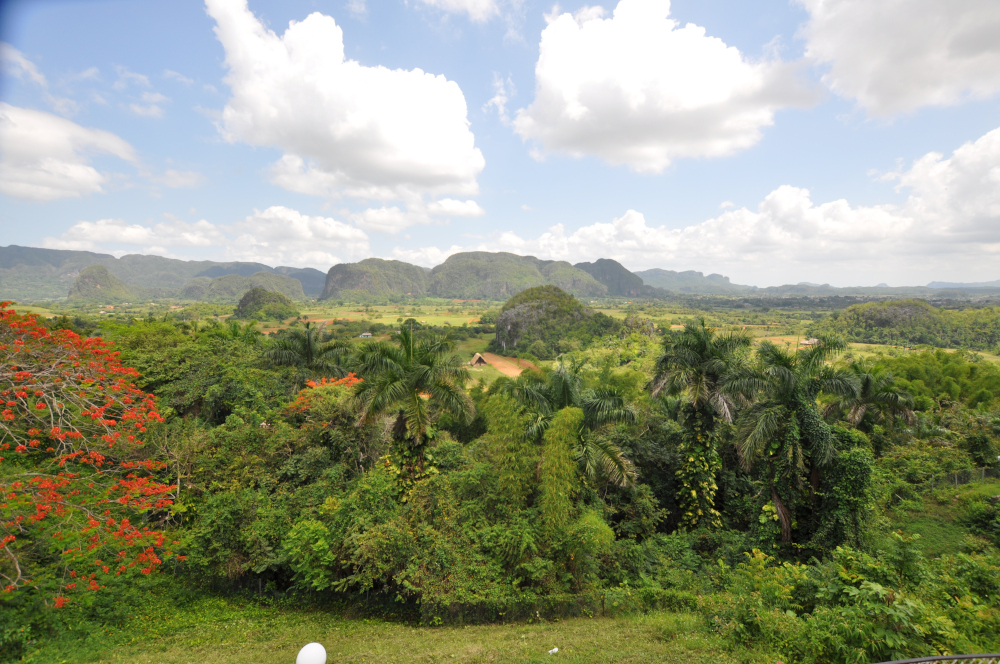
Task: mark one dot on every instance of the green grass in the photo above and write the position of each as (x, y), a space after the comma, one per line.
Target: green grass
(215, 631)
(935, 518)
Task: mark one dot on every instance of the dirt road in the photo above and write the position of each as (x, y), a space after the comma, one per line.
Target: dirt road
(508, 366)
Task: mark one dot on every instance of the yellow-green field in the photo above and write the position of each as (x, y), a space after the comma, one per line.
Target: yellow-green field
(779, 327)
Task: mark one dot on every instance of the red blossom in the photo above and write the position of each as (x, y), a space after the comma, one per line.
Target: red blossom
(84, 395)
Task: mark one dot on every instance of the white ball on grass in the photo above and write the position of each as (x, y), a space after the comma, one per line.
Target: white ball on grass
(311, 653)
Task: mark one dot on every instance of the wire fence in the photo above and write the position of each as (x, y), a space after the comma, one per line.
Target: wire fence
(993, 658)
(959, 477)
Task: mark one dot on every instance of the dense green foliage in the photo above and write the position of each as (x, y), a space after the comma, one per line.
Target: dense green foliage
(545, 321)
(260, 304)
(937, 378)
(96, 284)
(700, 363)
(908, 322)
(385, 477)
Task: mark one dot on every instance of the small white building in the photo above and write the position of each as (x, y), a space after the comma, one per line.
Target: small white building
(366, 335)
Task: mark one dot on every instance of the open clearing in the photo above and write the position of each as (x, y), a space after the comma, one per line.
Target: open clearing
(219, 632)
(508, 366)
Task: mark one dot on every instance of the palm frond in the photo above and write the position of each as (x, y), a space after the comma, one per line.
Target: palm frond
(757, 428)
(605, 406)
(599, 457)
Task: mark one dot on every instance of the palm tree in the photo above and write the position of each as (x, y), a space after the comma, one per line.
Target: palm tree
(877, 400)
(697, 363)
(306, 350)
(544, 396)
(407, 378)
(783, 427)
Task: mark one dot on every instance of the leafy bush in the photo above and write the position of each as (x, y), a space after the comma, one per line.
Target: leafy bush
(857, 608)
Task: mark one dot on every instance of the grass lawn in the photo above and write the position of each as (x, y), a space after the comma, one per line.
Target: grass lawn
(935, 521)
(214, 631)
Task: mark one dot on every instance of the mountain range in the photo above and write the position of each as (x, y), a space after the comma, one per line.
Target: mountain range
(34, 274)
(30, 273)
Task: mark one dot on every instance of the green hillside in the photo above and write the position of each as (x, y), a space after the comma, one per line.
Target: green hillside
(618, 280)
(572, 279)
(915, 322)
(196, 289)
(313, 281)
(231, 287)
(374, 277)
(481, 275)
(31, 273)
(545, 321)
(260, 304)
(96, 284)
(691, 282)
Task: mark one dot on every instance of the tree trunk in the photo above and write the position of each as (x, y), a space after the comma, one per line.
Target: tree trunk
(784, 519)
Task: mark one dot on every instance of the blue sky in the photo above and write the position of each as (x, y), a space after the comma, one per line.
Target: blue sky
(770, 141)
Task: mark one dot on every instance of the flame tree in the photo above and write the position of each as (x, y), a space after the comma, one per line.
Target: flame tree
(78, 494)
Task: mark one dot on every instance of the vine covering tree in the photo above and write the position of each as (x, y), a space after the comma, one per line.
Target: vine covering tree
(699, 363)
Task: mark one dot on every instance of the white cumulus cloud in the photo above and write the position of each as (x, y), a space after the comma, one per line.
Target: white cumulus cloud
(275, 236)
(639, 89)
(449, 207)
(948, 228)
(345, 129)
(44, 157)
(282, 236)
(895, 56)
(92, 235)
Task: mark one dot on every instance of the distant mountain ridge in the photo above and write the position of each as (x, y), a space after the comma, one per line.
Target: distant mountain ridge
(482, 275)
(476, 275)
(232, 287)
(975, 284)
(32, 273)
(374, 277)
(692, 282)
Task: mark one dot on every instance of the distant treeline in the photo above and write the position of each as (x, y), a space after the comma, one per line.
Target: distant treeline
(915, 322)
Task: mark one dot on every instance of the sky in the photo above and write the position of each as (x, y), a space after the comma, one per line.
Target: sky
(846, 142)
